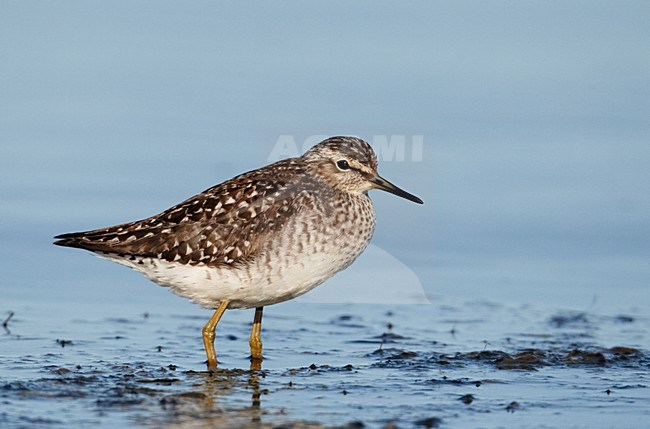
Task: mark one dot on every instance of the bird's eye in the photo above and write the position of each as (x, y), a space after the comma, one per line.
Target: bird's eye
(343, 165)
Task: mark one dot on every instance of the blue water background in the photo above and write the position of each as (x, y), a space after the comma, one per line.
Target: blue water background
(534, 118)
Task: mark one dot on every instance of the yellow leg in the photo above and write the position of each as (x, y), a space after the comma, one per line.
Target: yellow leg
(256, 336)
(209, 334)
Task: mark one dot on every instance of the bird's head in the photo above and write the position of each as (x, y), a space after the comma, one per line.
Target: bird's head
(349, 164)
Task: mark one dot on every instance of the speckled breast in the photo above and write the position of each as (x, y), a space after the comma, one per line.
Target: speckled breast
(316, 243)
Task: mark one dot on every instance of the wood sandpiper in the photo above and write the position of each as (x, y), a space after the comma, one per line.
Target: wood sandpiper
(261, 238)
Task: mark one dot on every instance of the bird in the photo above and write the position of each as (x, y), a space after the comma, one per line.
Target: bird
(261, 238)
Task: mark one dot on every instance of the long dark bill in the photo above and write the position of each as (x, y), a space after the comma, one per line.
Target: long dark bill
(385, 185)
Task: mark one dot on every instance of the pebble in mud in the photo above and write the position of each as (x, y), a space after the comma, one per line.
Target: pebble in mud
(512, 407)
(624, 351)
(585, 358)
(527, 360)
(429, 422)
(467, 399)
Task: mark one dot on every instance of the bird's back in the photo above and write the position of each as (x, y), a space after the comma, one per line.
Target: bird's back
(223, 225)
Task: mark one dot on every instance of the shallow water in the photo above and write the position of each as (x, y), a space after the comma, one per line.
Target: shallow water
(450, 364)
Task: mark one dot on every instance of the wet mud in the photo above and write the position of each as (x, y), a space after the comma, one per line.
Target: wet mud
(430, 366)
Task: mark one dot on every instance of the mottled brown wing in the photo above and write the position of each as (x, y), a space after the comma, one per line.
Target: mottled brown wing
(226, 224)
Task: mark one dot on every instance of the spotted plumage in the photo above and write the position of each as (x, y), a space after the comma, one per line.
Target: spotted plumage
(224, 225)
(261, 238)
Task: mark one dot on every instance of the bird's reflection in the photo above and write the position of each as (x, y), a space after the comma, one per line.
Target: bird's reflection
(215, 400)
(256, 395)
